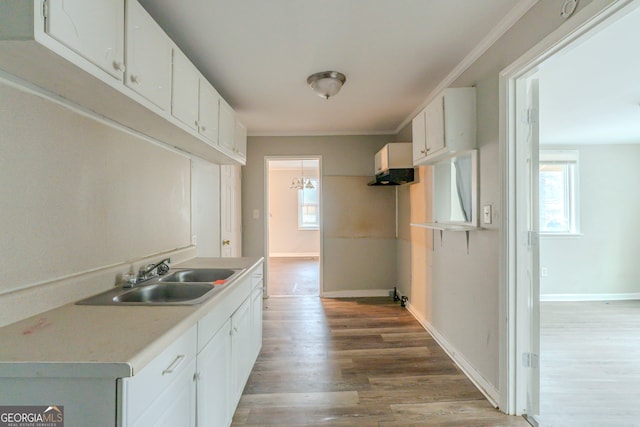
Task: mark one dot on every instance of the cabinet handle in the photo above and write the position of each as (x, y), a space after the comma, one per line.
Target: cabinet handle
(204, 128)
(135, 79)
(226, 242)
(174, 365)
(423, 152)
(118, 66)
(196, 123)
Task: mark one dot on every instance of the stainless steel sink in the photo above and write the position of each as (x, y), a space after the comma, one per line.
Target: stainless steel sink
(165, 293)
(202, 275)
(180, 287)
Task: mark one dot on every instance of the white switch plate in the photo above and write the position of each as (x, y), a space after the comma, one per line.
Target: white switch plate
(256, 214)
(486, 212)
(544, 272)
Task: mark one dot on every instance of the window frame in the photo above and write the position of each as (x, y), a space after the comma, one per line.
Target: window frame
(569, 159)
(301, 205)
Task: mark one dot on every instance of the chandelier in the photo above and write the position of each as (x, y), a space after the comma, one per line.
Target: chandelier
(301, 182)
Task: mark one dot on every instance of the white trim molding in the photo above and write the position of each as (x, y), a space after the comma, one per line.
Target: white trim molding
(484, 386)
(589, 297)
(358, 293)
(295, 254)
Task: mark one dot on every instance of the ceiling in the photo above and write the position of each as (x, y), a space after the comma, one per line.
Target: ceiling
(258, 54)
(591, 94)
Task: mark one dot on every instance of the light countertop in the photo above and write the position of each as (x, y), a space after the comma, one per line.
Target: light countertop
(104, 341)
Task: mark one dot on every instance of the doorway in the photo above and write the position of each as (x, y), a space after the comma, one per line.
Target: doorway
(528, 376)
(293, 188)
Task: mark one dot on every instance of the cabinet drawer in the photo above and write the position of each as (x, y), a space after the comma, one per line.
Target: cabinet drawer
(139, 391)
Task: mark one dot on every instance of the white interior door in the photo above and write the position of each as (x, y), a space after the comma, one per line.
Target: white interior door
(230, 210)
(528, 250)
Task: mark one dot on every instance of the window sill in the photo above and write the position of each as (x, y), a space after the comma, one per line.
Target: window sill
(561, 235)
(308, 228)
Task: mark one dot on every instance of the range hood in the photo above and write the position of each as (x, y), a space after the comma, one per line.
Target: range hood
(394, 177)
(393, 164)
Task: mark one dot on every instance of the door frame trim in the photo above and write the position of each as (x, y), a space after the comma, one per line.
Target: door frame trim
(592, 18)
(267, 159)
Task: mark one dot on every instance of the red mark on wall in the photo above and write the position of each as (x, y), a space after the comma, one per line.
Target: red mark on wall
(39, 325)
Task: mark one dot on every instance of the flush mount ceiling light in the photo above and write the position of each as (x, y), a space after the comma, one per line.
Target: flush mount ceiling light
(326, 83)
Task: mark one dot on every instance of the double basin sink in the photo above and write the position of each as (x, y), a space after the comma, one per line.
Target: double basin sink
(180, 287)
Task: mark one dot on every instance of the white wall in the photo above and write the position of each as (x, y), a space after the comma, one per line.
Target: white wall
(454, 292)
(601, 262)
(81, 202)
(359, 261)
(285, 238)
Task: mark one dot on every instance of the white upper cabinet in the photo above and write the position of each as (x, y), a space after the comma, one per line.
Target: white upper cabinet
(93, 29)
(148, 58)
(227, 126)
(208, 119)
(446, 126)
(184, 91)
(396, 155)
(241, 139)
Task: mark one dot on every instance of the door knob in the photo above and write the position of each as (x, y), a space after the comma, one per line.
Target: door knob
(226, 242)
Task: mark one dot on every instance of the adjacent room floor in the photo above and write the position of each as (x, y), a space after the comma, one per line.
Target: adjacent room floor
(294, 276)
(355, 362)
(590, 364)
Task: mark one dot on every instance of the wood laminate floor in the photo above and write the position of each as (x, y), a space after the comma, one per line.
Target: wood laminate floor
(356, 362)
(590, 364)
(294, 276)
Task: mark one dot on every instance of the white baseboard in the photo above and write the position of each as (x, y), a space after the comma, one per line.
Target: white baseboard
(294, 255)
(486, 388)
(589, 297)
(358, 293)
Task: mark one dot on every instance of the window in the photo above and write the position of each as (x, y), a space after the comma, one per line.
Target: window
(308, 208)
(558, 192)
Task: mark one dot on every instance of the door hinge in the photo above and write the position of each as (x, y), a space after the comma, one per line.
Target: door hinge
(45, 9)
(530, 360)
(530, 116)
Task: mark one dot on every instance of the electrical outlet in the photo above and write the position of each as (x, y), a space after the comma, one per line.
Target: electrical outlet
(194, 240)
(486, 212)
(256, 214)
(544, 272)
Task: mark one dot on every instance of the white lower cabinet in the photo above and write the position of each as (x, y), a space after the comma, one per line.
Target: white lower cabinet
(163, 393)
(241, 361)
(256, 314)
(214, 380)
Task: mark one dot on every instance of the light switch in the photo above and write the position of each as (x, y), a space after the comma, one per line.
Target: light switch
(486, 211)
(256, 214)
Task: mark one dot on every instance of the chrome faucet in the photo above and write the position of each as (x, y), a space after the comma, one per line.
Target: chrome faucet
(152, 270)
(147, 273)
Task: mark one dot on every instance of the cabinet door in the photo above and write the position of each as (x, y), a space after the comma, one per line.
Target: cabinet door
(240, 139)
(208, 120)
(148, 57)
(256, 319)
(214, 380)
(93, 29)
(230, 210)
(241, 353)
(184, 90)
(227, 125)
(419, 131)
(435, 125)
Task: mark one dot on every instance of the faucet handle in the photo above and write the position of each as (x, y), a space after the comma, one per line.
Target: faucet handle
(163, 269)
